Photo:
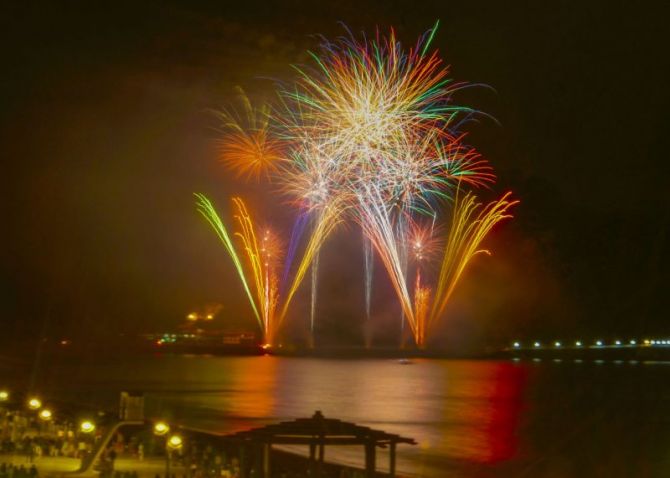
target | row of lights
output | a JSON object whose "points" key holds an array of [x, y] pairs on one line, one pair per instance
{"points": [[174, 442], [597, 343], [45, 414]]}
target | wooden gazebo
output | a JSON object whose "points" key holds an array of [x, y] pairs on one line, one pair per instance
{"points": [[316, 433]]}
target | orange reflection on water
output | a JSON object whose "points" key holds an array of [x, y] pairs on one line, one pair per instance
{"points": [[252, 387]]}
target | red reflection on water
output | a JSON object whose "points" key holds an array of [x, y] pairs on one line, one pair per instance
{"points": [[506, 404], [482, 413]]}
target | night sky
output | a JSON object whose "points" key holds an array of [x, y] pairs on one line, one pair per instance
{"points": [[107, 128]]}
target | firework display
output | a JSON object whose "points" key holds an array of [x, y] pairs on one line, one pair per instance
{"points": [[369, 135]]}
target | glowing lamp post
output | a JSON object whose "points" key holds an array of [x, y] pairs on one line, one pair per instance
{"points": [[161, 428], [172, 443], [175, 442], [4, 397], [45, 415], [34, 403], [87, 427]]}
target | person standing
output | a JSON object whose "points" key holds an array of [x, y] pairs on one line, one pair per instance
{"points": [[112, 457]]}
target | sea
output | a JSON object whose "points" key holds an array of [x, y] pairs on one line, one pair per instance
{"points": [[470, 418]]}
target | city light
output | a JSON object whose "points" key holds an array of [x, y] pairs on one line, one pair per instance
{"points": [[4, 395], [87, 426], [34, 403], [161, 428], [517, 345], [578, 344], [175, 442], [617, 342], [45, 414], [599, 343], [557, 344], [536, 344], [192, 316], [633, 342]]}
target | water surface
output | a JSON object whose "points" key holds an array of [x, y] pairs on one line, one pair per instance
{"points": [[470, 418]]}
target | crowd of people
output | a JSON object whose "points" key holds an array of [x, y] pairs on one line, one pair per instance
{"points": [[22, 433], [27, 439], [9, 470]]}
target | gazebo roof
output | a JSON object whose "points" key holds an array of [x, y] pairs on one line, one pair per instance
{"points": [[319, 429]]}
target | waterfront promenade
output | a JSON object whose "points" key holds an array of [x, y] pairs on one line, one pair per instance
{"points": [[67, 466]]}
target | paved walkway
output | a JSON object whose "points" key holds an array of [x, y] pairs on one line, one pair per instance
{"points": [[49, 466]]}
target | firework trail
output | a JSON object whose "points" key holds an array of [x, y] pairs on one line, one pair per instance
{"points": [[368, 253], [327, 220], [377, 223], [262, 251], [312, 309], [470, 224], [206, 208], [296, 234], [423, 244]]}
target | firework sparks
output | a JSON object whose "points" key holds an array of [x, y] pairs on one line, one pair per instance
{"points": [[371, 134], [247, 146]]}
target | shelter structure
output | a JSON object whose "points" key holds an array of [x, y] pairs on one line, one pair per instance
{"points": [[316, 433]]}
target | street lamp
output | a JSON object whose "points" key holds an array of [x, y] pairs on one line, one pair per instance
{"points": [[34, 403], [172, 443], [87, 426], [45, 414], [161, 428], [175, 442], [4, 395]]}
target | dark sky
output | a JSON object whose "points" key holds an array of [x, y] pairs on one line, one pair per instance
{"points": [[106, 130]]}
